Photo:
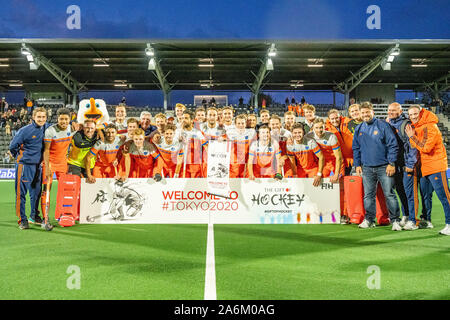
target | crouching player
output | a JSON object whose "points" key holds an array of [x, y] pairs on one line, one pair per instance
{"points": [[142, 160], [264, 157], [171, 151], [106, 156], [305, 155]]}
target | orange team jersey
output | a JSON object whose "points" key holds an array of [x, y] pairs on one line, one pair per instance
{"points": [[59, 144], [146, 162], [264, 161], [169, 154], [240, 145], [193, 141], [345, 138], [213, 133], [305, 155], [121, 127], [106, 153], [328, 144], [282, 138]]}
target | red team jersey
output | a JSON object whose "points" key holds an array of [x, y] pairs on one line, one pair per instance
{"points": [[145, 163]]}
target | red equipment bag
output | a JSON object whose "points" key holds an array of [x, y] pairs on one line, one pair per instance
{"points": [[68, 199], [354, 196]]}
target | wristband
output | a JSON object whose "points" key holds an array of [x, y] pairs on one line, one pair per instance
{"points": [[278, 176], [319, 174], [176, 175]]}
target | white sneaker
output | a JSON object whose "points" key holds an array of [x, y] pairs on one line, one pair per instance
{"points": [[410, 226], [366, 224], [404, 221], [396, 226], [425, 225], [446, 230]]}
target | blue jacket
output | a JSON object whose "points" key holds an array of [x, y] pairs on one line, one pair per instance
{"points": [[374, 144], [407, 156], [27, 145]]}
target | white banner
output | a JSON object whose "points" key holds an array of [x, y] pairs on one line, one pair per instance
{"points": [[263, 201], [218, 173]]}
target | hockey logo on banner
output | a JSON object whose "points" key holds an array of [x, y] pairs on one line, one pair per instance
{"points": [[218, 173]]}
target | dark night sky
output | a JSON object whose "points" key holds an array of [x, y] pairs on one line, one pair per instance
{"points": [[230, 19]]}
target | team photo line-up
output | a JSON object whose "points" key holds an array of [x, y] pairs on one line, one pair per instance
{"points": [[401, 153]]}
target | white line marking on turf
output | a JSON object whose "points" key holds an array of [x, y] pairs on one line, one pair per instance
{"points": [[210, 274]]}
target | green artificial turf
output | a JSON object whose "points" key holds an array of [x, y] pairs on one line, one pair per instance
{"points": [[273, 262]]}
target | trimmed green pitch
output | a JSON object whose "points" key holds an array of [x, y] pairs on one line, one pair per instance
{"points": [[273, 262]]}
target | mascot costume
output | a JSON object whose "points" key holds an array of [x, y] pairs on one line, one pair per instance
{"points": [[94, 109]]}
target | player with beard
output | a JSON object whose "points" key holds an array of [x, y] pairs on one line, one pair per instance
{"points": [[195, 145], [105, 154], [289, 120]]}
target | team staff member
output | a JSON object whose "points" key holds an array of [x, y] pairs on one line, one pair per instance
{"points": [[81, 144], [375, 151], [397, 120], [425, 136], [27, 147]]}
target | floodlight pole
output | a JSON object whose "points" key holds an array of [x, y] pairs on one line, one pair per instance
{"points": [[437, 86], [349, 84], [256, 87], [164, 84], [69, 82]]}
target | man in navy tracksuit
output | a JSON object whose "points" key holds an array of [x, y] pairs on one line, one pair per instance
{"points": [[396, 119], [375, 151], [27, 147]]}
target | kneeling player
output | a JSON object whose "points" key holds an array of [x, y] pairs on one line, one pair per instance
{"points": [[142, 159], [264, 156], [305, 155]]}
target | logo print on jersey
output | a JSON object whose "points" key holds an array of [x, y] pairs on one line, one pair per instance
{"points": [[145, 153], [306, 148], [68, 134], [375, 132]]}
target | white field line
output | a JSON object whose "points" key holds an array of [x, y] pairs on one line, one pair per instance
{"points": [[210, 273]]}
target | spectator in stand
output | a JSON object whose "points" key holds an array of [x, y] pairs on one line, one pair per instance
{"points": [[29, 106], [2, 120], [8, 129], [3, 105], [241, 102], [15, 127]]}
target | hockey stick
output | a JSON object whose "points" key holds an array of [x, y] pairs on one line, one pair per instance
{"points": [[45, 224]]}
